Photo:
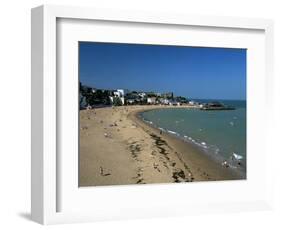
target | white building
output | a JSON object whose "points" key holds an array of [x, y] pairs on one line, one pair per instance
{"points": [[123, 92], [119, 93], [142, 94], [191, 102], [130, 101], [166, 101], [173, 103], [151, 100], [111, 98]]}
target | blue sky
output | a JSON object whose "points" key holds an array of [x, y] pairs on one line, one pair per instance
{"points": [[193, 72]]}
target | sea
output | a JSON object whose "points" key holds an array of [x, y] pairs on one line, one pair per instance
{"points": [[220, 134]]}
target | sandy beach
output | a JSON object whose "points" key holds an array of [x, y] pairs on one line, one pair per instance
{"points": [[118, 148]]}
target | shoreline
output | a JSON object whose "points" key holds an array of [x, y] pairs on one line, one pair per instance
{"points": [[118, 148], [218, 159], [191, 154]]}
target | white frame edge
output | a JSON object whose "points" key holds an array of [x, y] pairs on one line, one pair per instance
{"points": [[37, 115], [43, 86]]}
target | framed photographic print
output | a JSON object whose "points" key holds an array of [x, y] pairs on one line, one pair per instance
{"points": [[140, 114]]}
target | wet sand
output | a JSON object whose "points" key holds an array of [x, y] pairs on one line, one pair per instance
{"points": [[118, 148]]}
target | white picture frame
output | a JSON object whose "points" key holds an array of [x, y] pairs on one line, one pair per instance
{"points": [[46, 181]]}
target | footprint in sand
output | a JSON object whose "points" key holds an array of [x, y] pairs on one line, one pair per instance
{"points": [[156, 166], [102, 173], [173, 164]]}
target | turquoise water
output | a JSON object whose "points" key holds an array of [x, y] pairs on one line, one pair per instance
{"points": [[221, 134]]}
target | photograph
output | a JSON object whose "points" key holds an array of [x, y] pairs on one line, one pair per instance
{"points": [[153, 114]]}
